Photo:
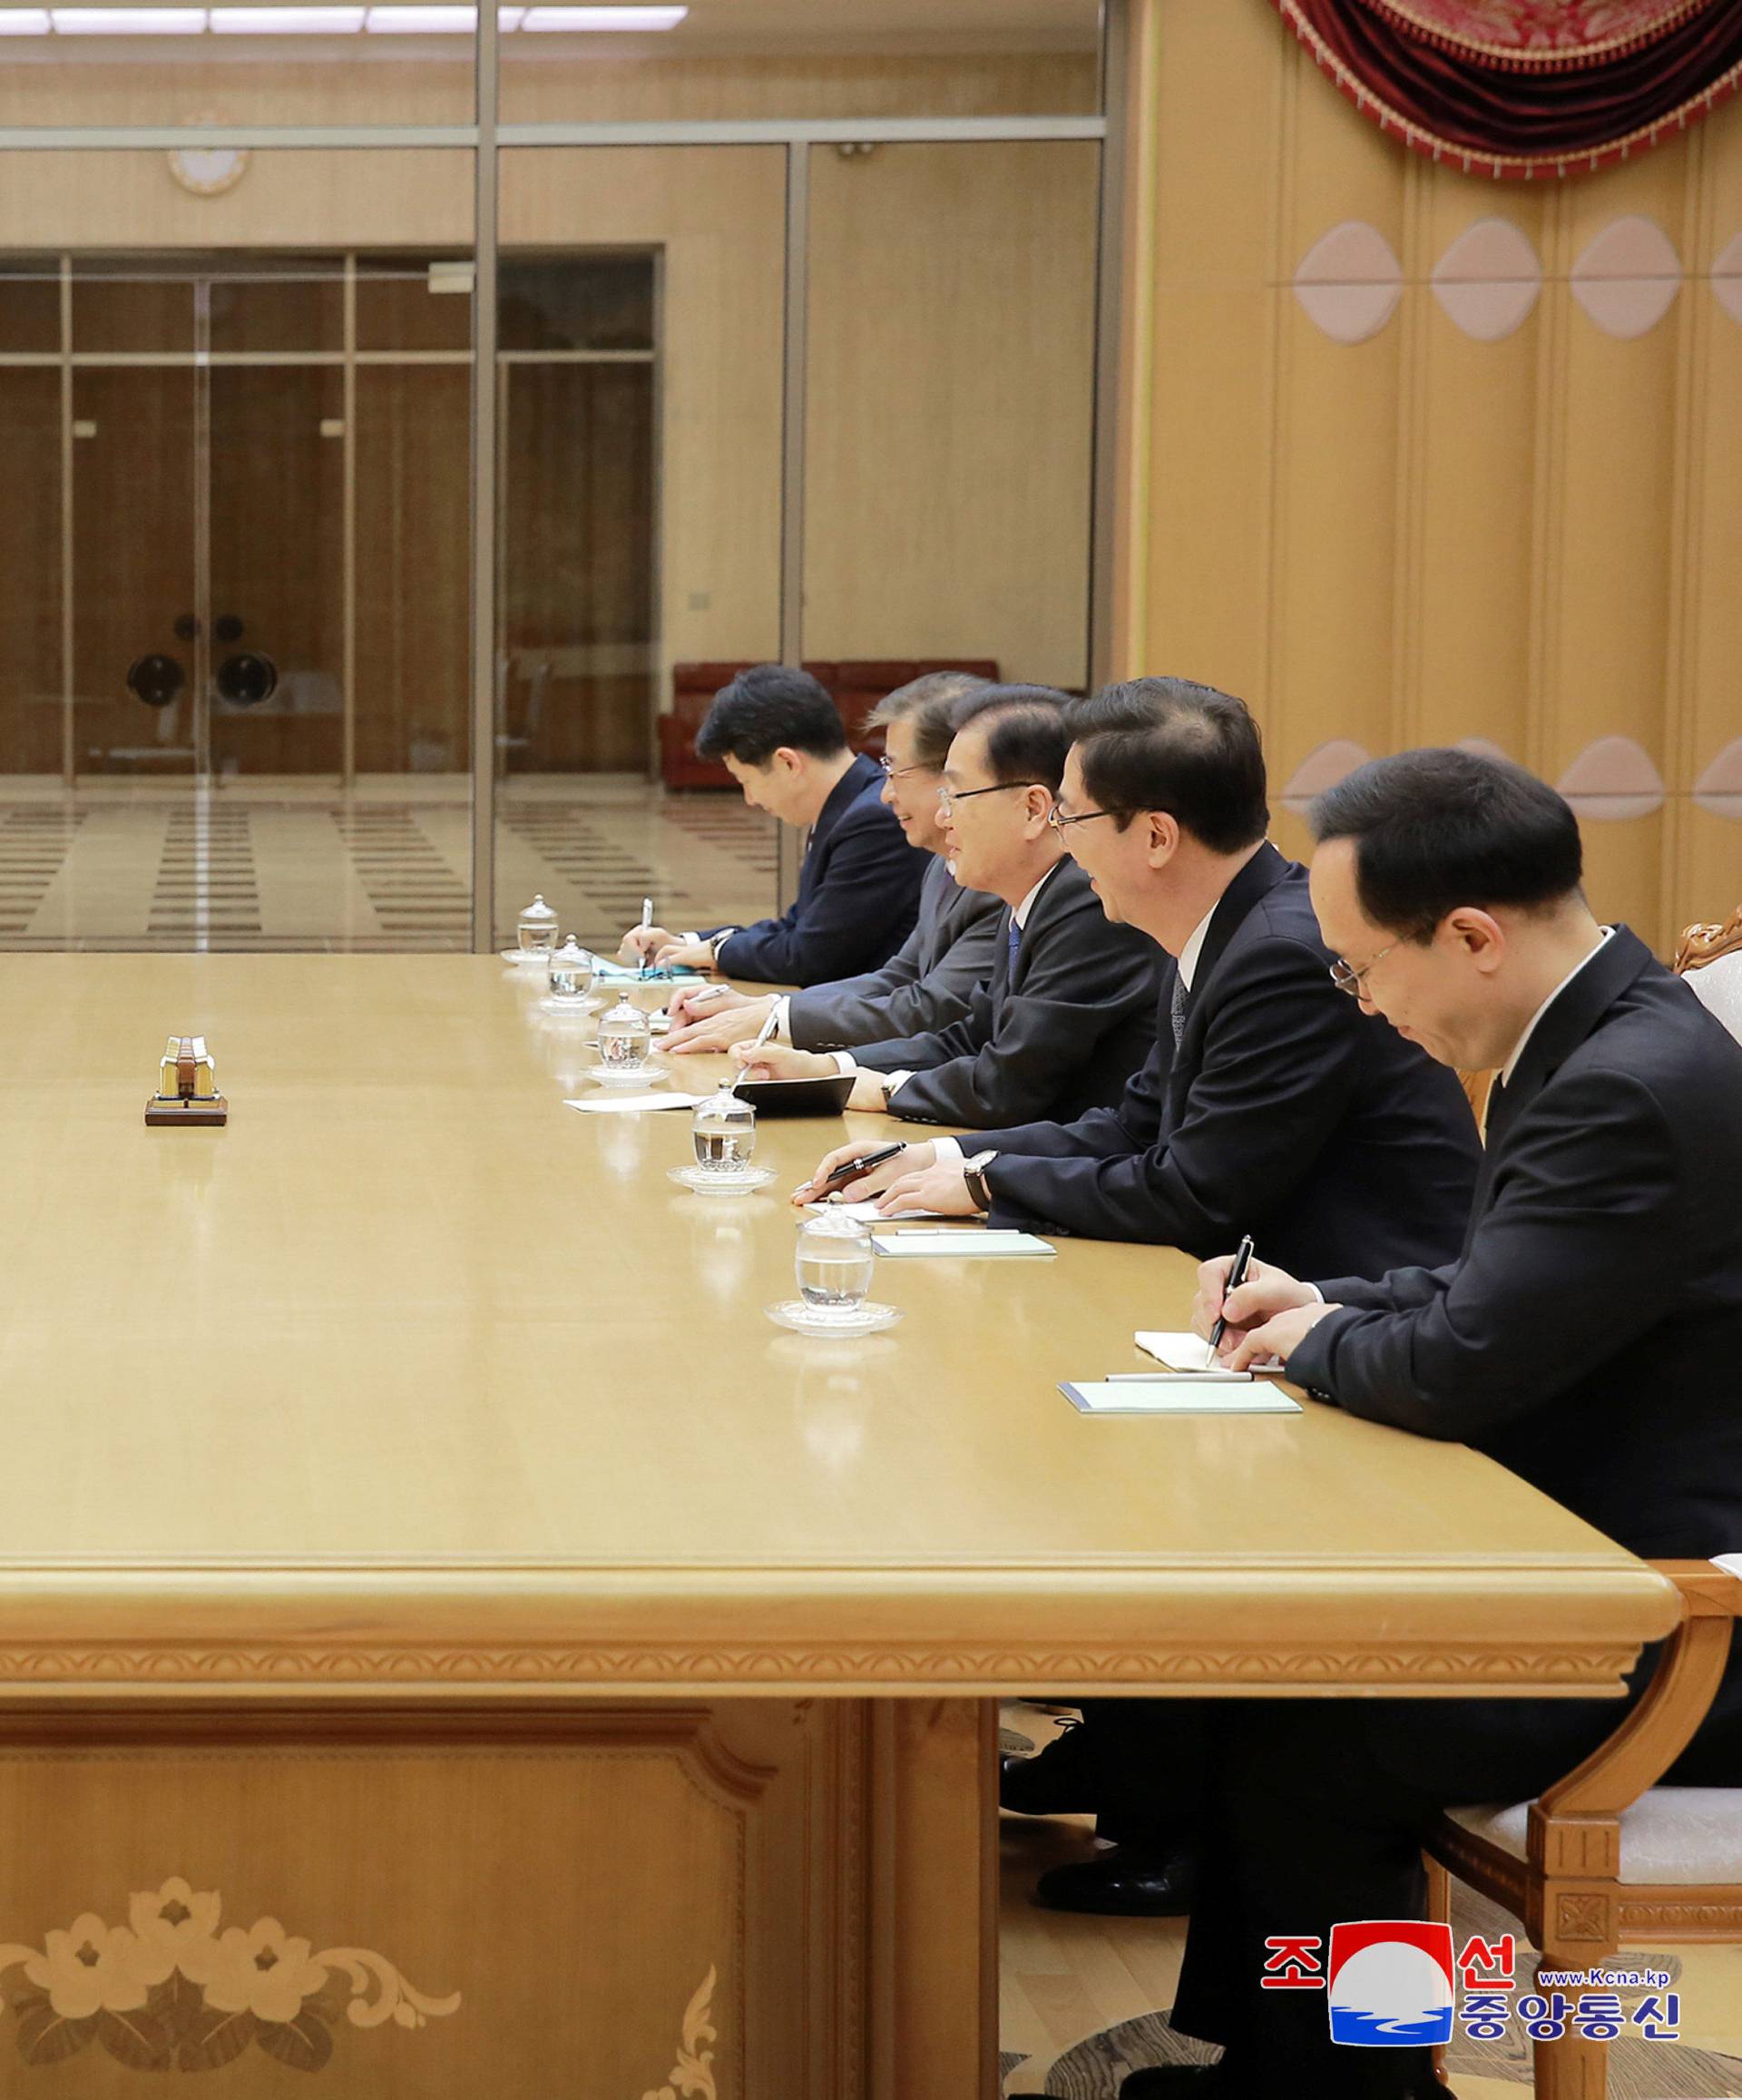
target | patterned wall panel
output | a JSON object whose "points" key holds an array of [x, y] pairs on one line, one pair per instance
{"points": [[1427, 458]]}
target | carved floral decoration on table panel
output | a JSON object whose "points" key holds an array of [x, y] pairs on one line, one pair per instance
{"points": [[691, 2077], [168, 1991]]}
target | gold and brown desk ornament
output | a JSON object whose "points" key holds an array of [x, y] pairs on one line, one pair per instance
{"points": [[187, 1085]]}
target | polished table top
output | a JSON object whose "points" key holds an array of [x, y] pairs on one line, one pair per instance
{"points": [[413, 1377]]}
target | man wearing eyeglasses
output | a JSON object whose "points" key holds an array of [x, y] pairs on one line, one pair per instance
{"points": [[1268, 1105], [929, 982], [1584, 1337], [1067, 1013]]}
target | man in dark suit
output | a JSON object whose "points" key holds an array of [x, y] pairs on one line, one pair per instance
{"points": [[1066, 1015], [928, 982], [781, 739], [1576, 1339], [1267, 1107]]}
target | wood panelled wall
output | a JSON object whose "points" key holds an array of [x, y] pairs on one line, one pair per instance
{"points": [[1396, 497], [359, 83]]}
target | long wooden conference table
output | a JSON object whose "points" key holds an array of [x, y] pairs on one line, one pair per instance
{"points": [[452, 1641]]}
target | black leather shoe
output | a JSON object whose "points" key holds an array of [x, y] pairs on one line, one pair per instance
{"points": [[1223, 2082], [1176, 2082], [1121, 1883], [1055, 1781]]}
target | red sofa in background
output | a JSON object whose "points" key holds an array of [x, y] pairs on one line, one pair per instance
{"points": [[856, 689]]}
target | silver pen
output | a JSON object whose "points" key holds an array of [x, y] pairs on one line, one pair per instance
{"points": [[647, 921]]}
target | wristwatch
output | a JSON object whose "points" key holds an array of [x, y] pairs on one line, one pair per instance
{"points": [[974, 1174], [717, 941]]}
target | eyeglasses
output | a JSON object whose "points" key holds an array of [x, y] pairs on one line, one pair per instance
{"points": [[1346, 978], [901, 772], [1056, 816], [948, 797]]}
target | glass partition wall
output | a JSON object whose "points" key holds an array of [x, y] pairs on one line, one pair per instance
{"points": [[397, 462]]}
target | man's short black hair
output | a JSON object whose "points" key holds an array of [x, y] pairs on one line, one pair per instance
{"points": [[1433, 830], [1023, 725], [928, 705], [765, 707], [1170, 744]]}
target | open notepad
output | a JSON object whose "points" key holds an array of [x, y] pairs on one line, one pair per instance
{"points": [[1181, 1396], [868, 1213], [917, 1240], [631, 1103]]}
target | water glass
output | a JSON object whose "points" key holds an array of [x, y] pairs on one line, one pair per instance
{"points": [[623, 1038], [570, 968], [834, 1265], [536, 928], [723, 1131]]}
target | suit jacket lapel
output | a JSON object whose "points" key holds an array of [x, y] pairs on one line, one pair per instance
{"points": [[1567, 1024], [1260, 875]]}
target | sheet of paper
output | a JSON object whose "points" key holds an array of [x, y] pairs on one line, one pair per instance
{"points": [[1182, 1397], [867, 1212], [1179, 1352], [632, 1104], [607, 973], [915, 1244]]}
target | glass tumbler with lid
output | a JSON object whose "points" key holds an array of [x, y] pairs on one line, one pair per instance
{"points": [[722, 1130], [625, 1038], [535, 930], [570, 973], [834, 1265]]}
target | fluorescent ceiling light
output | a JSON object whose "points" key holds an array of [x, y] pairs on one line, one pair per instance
{"points": [[615, 18], [24, 21], [423, 20], [286, 21], [128, 21]]}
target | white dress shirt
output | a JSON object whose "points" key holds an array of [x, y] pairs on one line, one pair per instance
{"points": [[845, 1062], [949, 1148]]}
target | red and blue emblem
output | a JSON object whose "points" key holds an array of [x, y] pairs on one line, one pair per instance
{"points": [[1391, 1983]]}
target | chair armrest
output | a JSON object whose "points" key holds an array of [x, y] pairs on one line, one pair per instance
{"points": [[1676, 1699]]}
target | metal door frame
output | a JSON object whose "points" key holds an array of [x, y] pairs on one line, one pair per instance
{"points": [[487, 138]]}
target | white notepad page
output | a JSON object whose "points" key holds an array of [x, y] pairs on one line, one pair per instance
{"points": [[1182, 1397], [1179, 1352], [632, 1104], [908, 1245]]}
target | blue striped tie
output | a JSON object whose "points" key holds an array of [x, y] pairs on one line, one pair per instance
{"points": [[1015, 942]]}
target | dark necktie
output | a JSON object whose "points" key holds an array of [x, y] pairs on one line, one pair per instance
{"points": [[1177, 1010], [1015, 943]]}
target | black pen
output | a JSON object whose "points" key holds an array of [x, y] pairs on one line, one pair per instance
{"points": [[852, 1169], [1236, 1277]]}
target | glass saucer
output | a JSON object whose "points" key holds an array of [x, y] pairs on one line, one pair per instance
{"points": [[575, 1008], [540, 956], [714, 1182], [804, 1318], [646, 1076]]}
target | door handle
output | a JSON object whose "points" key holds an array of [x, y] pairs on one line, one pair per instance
{"points": [[247, 679], [156, 680]]}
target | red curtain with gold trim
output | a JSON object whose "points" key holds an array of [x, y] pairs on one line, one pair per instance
{"points": [[1527, 89]]}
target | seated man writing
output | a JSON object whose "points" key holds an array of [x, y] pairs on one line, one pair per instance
{"points": [[781, 739], [1578, 1339], [929, 981], [1267, 1105], [1066, 1014]]}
